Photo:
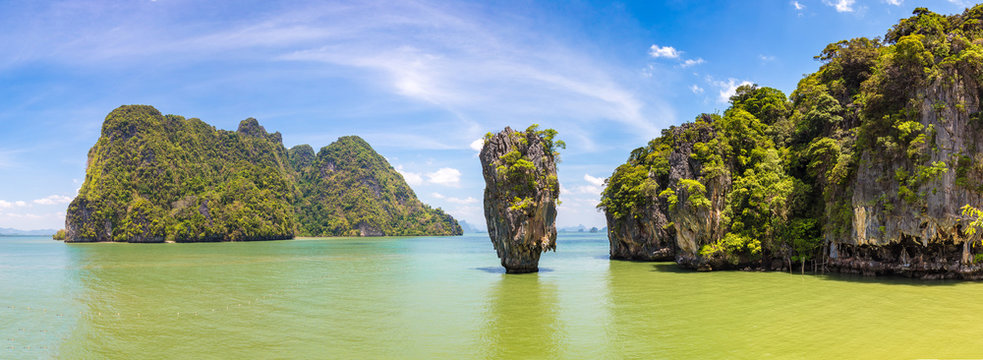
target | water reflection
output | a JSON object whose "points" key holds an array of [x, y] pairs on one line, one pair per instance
{"points": [[521, 319]]}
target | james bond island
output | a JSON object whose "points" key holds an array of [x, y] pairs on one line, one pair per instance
{"points": [[521, 191], [157, 178], [865, 168]]}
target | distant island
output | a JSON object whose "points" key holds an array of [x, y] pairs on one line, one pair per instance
{"points": [[163, 178], [869, 166], [18, 232]]}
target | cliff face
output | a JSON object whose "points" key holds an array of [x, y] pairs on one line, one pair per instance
{"points": [[647, 233], [156, 178], [521, 189], [906, 209], [864, 169]]}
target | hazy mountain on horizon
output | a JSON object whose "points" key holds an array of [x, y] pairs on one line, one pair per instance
{"points": [[469, 228], [41, 232]]}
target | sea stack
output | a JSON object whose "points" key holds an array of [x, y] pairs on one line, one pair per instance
{"points": [[521, 189]]}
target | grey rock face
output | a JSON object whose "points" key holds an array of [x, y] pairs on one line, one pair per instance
{"points": [[519, 201], [661, 232], [921, 235]]}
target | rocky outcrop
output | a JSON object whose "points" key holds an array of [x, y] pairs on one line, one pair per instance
{"points": [[163, 178], [521, 189], [906, 209], [668, 227], [864, 169]]}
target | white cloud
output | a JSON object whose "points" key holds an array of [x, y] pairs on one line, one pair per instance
{"points": [[453, 57], [766, 58], [412, 178], [12, 204], [691, 62], [696, 89], [465, 201], [841, 5], [477, 144], [474, 70], [587, 189], [445, 176], [894, 2], [31, 221], [456, 200], [798, 5], [594, 180], [657, 51], [53, 200], [727, 88]]}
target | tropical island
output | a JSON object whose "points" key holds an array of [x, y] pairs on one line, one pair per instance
{"points": [[869, 166], [521, 193], [163, 178]]}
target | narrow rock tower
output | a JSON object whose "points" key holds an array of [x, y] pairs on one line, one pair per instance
{"points": [[520, 195]]}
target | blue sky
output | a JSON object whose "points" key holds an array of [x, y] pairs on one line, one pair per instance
{"points": [[419, 80]]}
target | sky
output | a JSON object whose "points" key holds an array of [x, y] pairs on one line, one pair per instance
{"points": [[421, 81]]}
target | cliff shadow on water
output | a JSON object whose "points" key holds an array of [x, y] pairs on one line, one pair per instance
{"points": [[892, 279]]}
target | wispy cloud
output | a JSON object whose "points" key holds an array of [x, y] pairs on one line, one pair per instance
{"points": [[477, 144], [696, 89], [412, 178], [894, 2], [32, 221], [690, 62], [455, 200], [727, 88], [657, 51], [445, 176], [53, 200], [451, 56], [12, 204], [798, 6], [841, 5], [596, 181]]}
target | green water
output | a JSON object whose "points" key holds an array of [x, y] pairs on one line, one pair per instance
{"points": [[447, 298]]}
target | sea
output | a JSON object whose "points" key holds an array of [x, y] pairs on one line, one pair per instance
{"points": [[449, 298]]}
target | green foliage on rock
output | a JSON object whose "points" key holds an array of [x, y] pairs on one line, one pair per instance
{"points": [[790, 165], [348, 189], [155, 178], [521, 176]]}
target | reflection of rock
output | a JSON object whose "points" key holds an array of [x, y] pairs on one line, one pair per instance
{"points": [[517, 326], [520, 198]]}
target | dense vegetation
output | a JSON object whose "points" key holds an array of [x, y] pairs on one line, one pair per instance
{"points": [[791, 164], [154, 178], [523, 180], [336, 184]]}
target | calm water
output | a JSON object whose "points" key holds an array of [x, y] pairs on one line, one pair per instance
{"points": [[448, 298]]}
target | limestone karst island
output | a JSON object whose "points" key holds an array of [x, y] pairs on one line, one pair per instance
{"points": [[156, 178], [658, 179]]}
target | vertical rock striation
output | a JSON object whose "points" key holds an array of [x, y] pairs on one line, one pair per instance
{"points": [[864, 169], [661, 225], [521, 189]]}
